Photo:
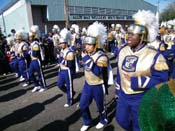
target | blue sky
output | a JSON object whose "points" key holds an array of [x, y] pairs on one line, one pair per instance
{"points": [[3, 3], [163, 3]]}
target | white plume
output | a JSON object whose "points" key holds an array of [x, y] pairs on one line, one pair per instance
{"points": [[19, 32], [34, 28], [76, 28], [113, 25], [10, 41], [56, 28], [171, 22], [98, 30], [25, 35], [84, 30], [118, 25], [22, 34], [66, 34], [163, 24], [149, 20]]}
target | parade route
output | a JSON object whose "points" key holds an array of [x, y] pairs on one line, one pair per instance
{"points": [[22, 110]]}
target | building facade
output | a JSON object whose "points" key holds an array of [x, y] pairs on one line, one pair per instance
{"points": [[21, 14]]}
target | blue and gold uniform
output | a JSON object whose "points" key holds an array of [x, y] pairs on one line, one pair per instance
{"points": [[22, 62], [94, 66], [139, 69], [35, 66], [14, 60], [169, 53], [66, 62], [146, 68], [111, 43]]}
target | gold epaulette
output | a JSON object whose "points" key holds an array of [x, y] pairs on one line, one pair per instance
{"points": [[24, 48], [161, 66], [35, 47], [102, 61], [70, 56], [162, 48]]}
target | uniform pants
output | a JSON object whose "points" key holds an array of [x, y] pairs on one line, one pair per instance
{"points": [[89, 93], [127, 112], [112, 47], [14, 65], [65, 83], [35, 66], [22, 65]]}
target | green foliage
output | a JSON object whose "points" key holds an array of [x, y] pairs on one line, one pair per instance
{"points": [[168, 13]]}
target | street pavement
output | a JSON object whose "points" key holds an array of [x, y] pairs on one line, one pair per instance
{"points": [[22, 110]]}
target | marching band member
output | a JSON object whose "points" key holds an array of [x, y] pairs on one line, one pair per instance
{"points": [[14, 60], [120, 36], [139, 69], [95, 68], [111, 43], [169, 52], [22, 54], [35, 65], [56, 37], [66, 64], [169, 36]]}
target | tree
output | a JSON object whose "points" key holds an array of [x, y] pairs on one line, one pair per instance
{"points": [[168, 13]]}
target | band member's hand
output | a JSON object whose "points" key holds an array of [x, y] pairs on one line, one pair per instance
{"points": [[58, 55], [83, 53], [57, 66], [127, 77]]}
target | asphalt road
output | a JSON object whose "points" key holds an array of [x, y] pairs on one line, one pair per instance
{"points": [[22, 110]]}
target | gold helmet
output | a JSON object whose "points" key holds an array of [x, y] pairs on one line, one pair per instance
{"points": [[89, 40], [169, 26], [118, 27], [18, 35], [55, 29], [96, 34], [146, 24], [65, 36], [21, 35]]}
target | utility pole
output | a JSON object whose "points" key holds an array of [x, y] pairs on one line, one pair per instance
{"points": [[66, 9], [158, 2], [158, 12]]}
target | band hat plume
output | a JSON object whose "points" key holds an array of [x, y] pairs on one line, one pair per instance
{"points": [[75, 28], [96, 34], [170, 24], [65, 36], [18, 35], [55, 29], [35, 31], [118, 27], [21, 35], [84, 29], [113, 26], [146, 23]]}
